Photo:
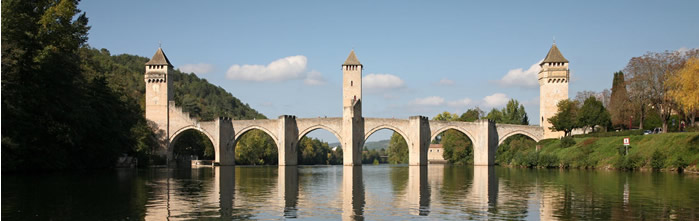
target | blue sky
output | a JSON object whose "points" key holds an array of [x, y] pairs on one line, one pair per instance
{"points": [[420, 57]]}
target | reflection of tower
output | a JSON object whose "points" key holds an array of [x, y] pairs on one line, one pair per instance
{"points": [[553, 87], [288, 189], [159, 94], [352, 193], [352, 121], [225, 186], [418, 189]]}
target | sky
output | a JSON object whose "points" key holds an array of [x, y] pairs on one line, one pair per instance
{"points": [[419, 57]]}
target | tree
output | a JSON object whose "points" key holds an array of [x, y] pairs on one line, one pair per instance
{"points": [[567, 117], [472, 115], [255, 147], [446, 116], [397, 149], [592, 114], [683, 88], [514, 113], [619, 104], [458, 148], [495, 115], [581, 96], [648, 74]]}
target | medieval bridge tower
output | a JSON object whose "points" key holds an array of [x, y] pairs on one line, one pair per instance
{"points": [[553, 87]]}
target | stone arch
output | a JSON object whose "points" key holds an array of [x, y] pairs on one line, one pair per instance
{"points": [[240, 133], [386, 126], [316, 127], [502, 139], [177, 133], [463, 131]]}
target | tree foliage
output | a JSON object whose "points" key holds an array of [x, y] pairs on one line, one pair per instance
{"points": [[566, 119], [683, 87], [255, 147], [397, 149], [592, 114], [619, 105], [312, 151]]}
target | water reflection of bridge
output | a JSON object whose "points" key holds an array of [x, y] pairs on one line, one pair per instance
{"points": [[480, 196]]}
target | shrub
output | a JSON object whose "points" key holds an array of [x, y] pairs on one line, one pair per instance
{"points": [[680, 163], [657, 160], [548, 160], [611, 134], [567, 142], [630, 162]]}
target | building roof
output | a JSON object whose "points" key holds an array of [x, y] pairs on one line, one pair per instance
{"points": [[159, 58], [554, 55], [352, 59]]}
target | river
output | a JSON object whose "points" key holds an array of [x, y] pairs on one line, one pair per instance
{"points": [[372, 192]]}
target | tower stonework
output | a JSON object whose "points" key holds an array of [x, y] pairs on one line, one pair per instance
{"points": [[553, 87], [158, 96], [352, 120]]}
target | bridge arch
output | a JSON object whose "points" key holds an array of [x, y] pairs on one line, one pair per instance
{"points": [[462, 130], [176, 135], [502, 138], [386, 126], [310, 129], [240, 133]]}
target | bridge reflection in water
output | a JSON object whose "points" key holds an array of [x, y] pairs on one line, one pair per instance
{"points": [[227, 197]]}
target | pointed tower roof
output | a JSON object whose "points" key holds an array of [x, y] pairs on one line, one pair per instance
{"points": [[352, 59], [159, 58], [554, 55]]}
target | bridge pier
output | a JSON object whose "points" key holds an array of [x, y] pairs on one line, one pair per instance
{"points": [[224, 147], [486, 143], [419, 138], [288, 138]]}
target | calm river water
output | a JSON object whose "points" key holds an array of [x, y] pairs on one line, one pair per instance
{"points": [[383, 192]]}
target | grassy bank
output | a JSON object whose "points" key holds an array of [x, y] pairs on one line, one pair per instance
{"points": [[668, 151]]}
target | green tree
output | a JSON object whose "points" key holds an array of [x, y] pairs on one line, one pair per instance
{"points": [[458, 148], [255, 147], [619, 104], [567, 117], [593, 113], [514, 113], [495, 115], [446, 116], [472, 115], [397, 149]]}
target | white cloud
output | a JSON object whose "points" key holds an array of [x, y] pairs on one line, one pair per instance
{"points": [[683, 50], [280, 70], [521, 78], [428, 101], [382, 81], [314, 78], [459, 103], [200, 68], [445, 81], [495, 100]]}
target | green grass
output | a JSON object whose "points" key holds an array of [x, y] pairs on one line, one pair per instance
{"points": [[603, 152]]}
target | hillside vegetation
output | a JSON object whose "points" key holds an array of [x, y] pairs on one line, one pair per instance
{"points": [[667, 151]]}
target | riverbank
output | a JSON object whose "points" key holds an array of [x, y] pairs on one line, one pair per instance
{"points": [[667, 151]]}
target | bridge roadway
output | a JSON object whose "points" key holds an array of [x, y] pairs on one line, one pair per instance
{"points": [[287, 130]]}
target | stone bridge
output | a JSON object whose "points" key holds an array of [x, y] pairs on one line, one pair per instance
{"points": [[352, 129]]}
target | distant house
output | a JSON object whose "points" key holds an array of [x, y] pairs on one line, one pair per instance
{"points": [[434, 154]]}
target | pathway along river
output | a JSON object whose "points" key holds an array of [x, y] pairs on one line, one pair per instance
{"points": [[384, 192]]}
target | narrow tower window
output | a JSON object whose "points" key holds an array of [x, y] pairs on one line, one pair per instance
{"points": [[351, 83]]}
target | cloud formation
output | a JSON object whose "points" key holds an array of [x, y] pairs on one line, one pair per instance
{"points": [[382, 81], [445, 82], [459, 103], [200, 68], [495, 100], [428, 101], [279, 70], [521, 78], [314, 78]]}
